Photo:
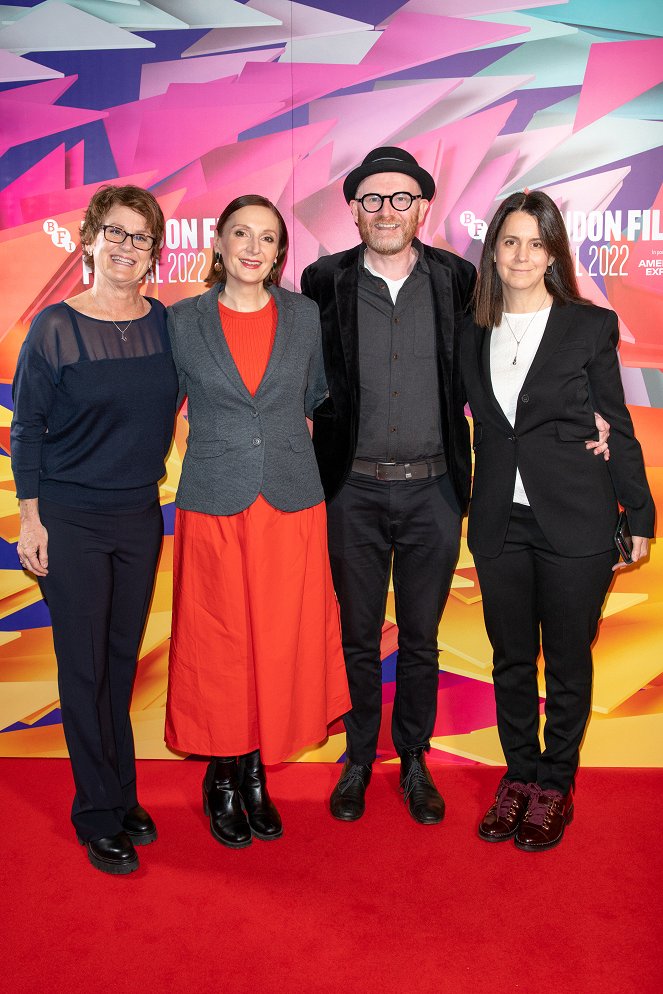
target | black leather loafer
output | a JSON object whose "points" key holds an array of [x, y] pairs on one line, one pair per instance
{"points": [[114, 854], [139, 826]]}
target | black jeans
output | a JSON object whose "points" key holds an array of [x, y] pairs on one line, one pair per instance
{"points": [[418, 523], [98, 589], [532, 599]]}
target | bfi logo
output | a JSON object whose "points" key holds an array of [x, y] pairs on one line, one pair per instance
{"points": [[59, 236], [476, 227]]}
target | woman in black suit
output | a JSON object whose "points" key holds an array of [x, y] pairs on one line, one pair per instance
{"points": [[538, 360]]}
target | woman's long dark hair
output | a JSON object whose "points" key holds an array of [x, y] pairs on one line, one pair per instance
{"points": [[217, 270], [561, 283]]}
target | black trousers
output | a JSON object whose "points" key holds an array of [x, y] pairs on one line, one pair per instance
{"points": [[535, 599], [417, 522], [98, 588]]}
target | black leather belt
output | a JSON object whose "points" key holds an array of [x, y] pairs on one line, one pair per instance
{"points": [[401, 470]]}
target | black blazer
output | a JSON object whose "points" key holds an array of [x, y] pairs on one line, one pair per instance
{"points": [[572, 492], [332, 282]]}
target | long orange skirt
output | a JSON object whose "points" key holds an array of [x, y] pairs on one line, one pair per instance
{"points": [[255, 658]]}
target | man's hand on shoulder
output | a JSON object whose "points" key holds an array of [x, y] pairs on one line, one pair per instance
{"points": [[600, 448]]}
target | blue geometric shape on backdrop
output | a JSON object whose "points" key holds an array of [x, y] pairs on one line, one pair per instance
{"points": [[34, 616], [8, 555], [389, 668], [53, 717]]}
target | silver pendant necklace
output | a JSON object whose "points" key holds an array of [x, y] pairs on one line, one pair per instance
{"points": [[123, 331], [515, 337]]}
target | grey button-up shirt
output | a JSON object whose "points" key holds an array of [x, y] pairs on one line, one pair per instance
{"points": [[399, 418]]}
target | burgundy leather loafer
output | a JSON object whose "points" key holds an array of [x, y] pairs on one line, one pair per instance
{"points": [[548, 814], [503, 817]]}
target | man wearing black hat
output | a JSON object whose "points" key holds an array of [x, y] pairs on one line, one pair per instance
{"points": [[392, 444]]}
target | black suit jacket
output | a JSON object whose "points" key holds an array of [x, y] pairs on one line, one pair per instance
{"points": [[573, 493], [332, 282]]}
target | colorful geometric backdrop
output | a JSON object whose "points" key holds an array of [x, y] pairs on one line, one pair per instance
{"points": [[203, 100]]}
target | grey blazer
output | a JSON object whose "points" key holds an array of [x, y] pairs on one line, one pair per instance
{"points": [[240, 446]]}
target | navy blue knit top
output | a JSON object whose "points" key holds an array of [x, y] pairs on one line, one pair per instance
{"points": [[94, 409]]}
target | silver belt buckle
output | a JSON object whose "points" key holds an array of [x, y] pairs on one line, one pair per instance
{"points": [[377, 469], [408, 471]]}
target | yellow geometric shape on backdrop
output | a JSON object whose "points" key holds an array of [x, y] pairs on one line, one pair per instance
{"points": [[19, 700], [28, 655], [148, 729], [459, 582], [47, 740], [450, 662], [5, 462], [17, 590], [9, 519], [157, 631], [627, 656], [630, 742], [481, 746], [617, 602], [609, 741], [150, 688], [328, 752]]}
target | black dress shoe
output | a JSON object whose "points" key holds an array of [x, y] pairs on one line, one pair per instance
{"points": [[505, 814], [222, 803], [420, 794], [114, 854], [264, 820], [347, 801], [139, 826]]}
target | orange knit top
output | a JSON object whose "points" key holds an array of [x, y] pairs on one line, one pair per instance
{"points": [[250, 338]]}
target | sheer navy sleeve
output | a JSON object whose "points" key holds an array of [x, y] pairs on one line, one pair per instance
{"points": [[33, 391]]}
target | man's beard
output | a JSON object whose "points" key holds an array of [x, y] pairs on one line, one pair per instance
{"points": [[389, 241]]}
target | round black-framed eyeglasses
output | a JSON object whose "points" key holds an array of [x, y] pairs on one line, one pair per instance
{"points": [[401, 201], [114, 233]]}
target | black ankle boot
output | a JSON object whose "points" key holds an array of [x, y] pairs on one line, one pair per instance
{"points": [[264, 819], [221, 802]]}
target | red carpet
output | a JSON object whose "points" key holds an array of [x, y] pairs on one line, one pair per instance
{"points": [[383, 906]]}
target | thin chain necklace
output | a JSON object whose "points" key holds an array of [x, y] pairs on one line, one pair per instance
{"points": [[529, 323], [123, 331]]}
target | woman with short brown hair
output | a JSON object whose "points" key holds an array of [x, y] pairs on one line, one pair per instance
{"points": [[94, 406]]}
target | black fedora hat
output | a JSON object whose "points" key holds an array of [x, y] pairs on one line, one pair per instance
{"points": [[389, 159]]}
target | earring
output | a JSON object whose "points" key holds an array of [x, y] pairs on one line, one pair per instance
{"points": [[218, 265], [549, 270]]}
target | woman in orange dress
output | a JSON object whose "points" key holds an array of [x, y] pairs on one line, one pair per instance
{"points": [[256, 666]]}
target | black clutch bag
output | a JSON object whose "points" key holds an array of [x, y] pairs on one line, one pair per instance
{"points": [[623, 538]]}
